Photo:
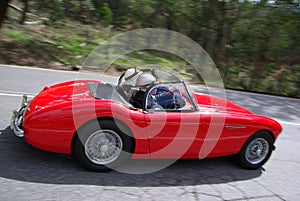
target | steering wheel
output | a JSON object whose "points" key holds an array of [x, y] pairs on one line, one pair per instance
{"points": [[165, 98], [178, 100]]}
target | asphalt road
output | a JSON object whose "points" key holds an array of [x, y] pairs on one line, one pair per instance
{"points": [[30, 174]]}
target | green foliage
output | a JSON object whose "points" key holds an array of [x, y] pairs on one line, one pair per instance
{"points": [[65, 42], [20, 36], [105, 14]]}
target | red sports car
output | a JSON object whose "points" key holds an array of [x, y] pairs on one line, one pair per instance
{"points": [[101, 126]]}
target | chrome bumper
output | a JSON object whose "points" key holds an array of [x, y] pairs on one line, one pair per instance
{"points": [[17, 118]]}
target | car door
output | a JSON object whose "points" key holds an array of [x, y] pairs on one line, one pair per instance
{"points": [[172, 134], [172, 131]]}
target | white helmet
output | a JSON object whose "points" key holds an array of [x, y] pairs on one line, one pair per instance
{"points": [[145, 80]]}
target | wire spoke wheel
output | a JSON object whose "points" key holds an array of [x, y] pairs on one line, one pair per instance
{"points": [[103, 147], [257, 150]]}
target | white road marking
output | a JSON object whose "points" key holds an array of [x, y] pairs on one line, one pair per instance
{"points": [[84, 72], [16, 94], [288, 123], [36, 68]]}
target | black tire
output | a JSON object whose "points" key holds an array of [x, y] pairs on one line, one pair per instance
{"points": [[256, 150], [99, 136]]}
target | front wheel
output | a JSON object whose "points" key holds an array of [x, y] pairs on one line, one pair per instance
{"points": [[102, 146], [256, 150]]}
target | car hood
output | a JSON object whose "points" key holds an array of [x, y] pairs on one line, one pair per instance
{"points": [[206, 102], [61, 93]]}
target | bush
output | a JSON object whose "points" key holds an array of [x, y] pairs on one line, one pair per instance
{"points": [[105, 14]]}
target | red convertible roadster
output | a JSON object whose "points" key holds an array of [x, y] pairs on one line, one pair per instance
{"points": [[101, 125]]}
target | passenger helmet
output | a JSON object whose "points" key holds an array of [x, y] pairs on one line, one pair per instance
{"points": [[130, 73]]}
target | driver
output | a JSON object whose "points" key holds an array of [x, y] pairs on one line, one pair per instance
{"points": [[159, 98], [143, 82]]}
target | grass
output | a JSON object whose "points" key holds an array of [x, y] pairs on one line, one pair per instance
{"points": [[67, 43], [71, 45]]}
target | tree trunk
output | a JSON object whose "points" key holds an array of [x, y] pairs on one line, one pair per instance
{"points": [[234, 17], [25, 10], [261, 59], [218, 43], [207, 15], [3, 9]]}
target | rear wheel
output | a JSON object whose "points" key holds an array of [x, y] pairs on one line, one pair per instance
{"points": [[103, 145], [256, 150]]}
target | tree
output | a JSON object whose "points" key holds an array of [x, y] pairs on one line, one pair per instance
{"points": [[105, 14], [25, 10], [3, 10]]}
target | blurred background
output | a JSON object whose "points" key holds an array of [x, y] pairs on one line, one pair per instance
{"points": [[254, 44]]}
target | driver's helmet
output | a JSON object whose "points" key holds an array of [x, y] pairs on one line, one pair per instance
{"points": [[145, 80]]}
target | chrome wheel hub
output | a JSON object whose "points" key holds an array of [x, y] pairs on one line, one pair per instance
{"points": [[103, 147], [257, 151]]}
